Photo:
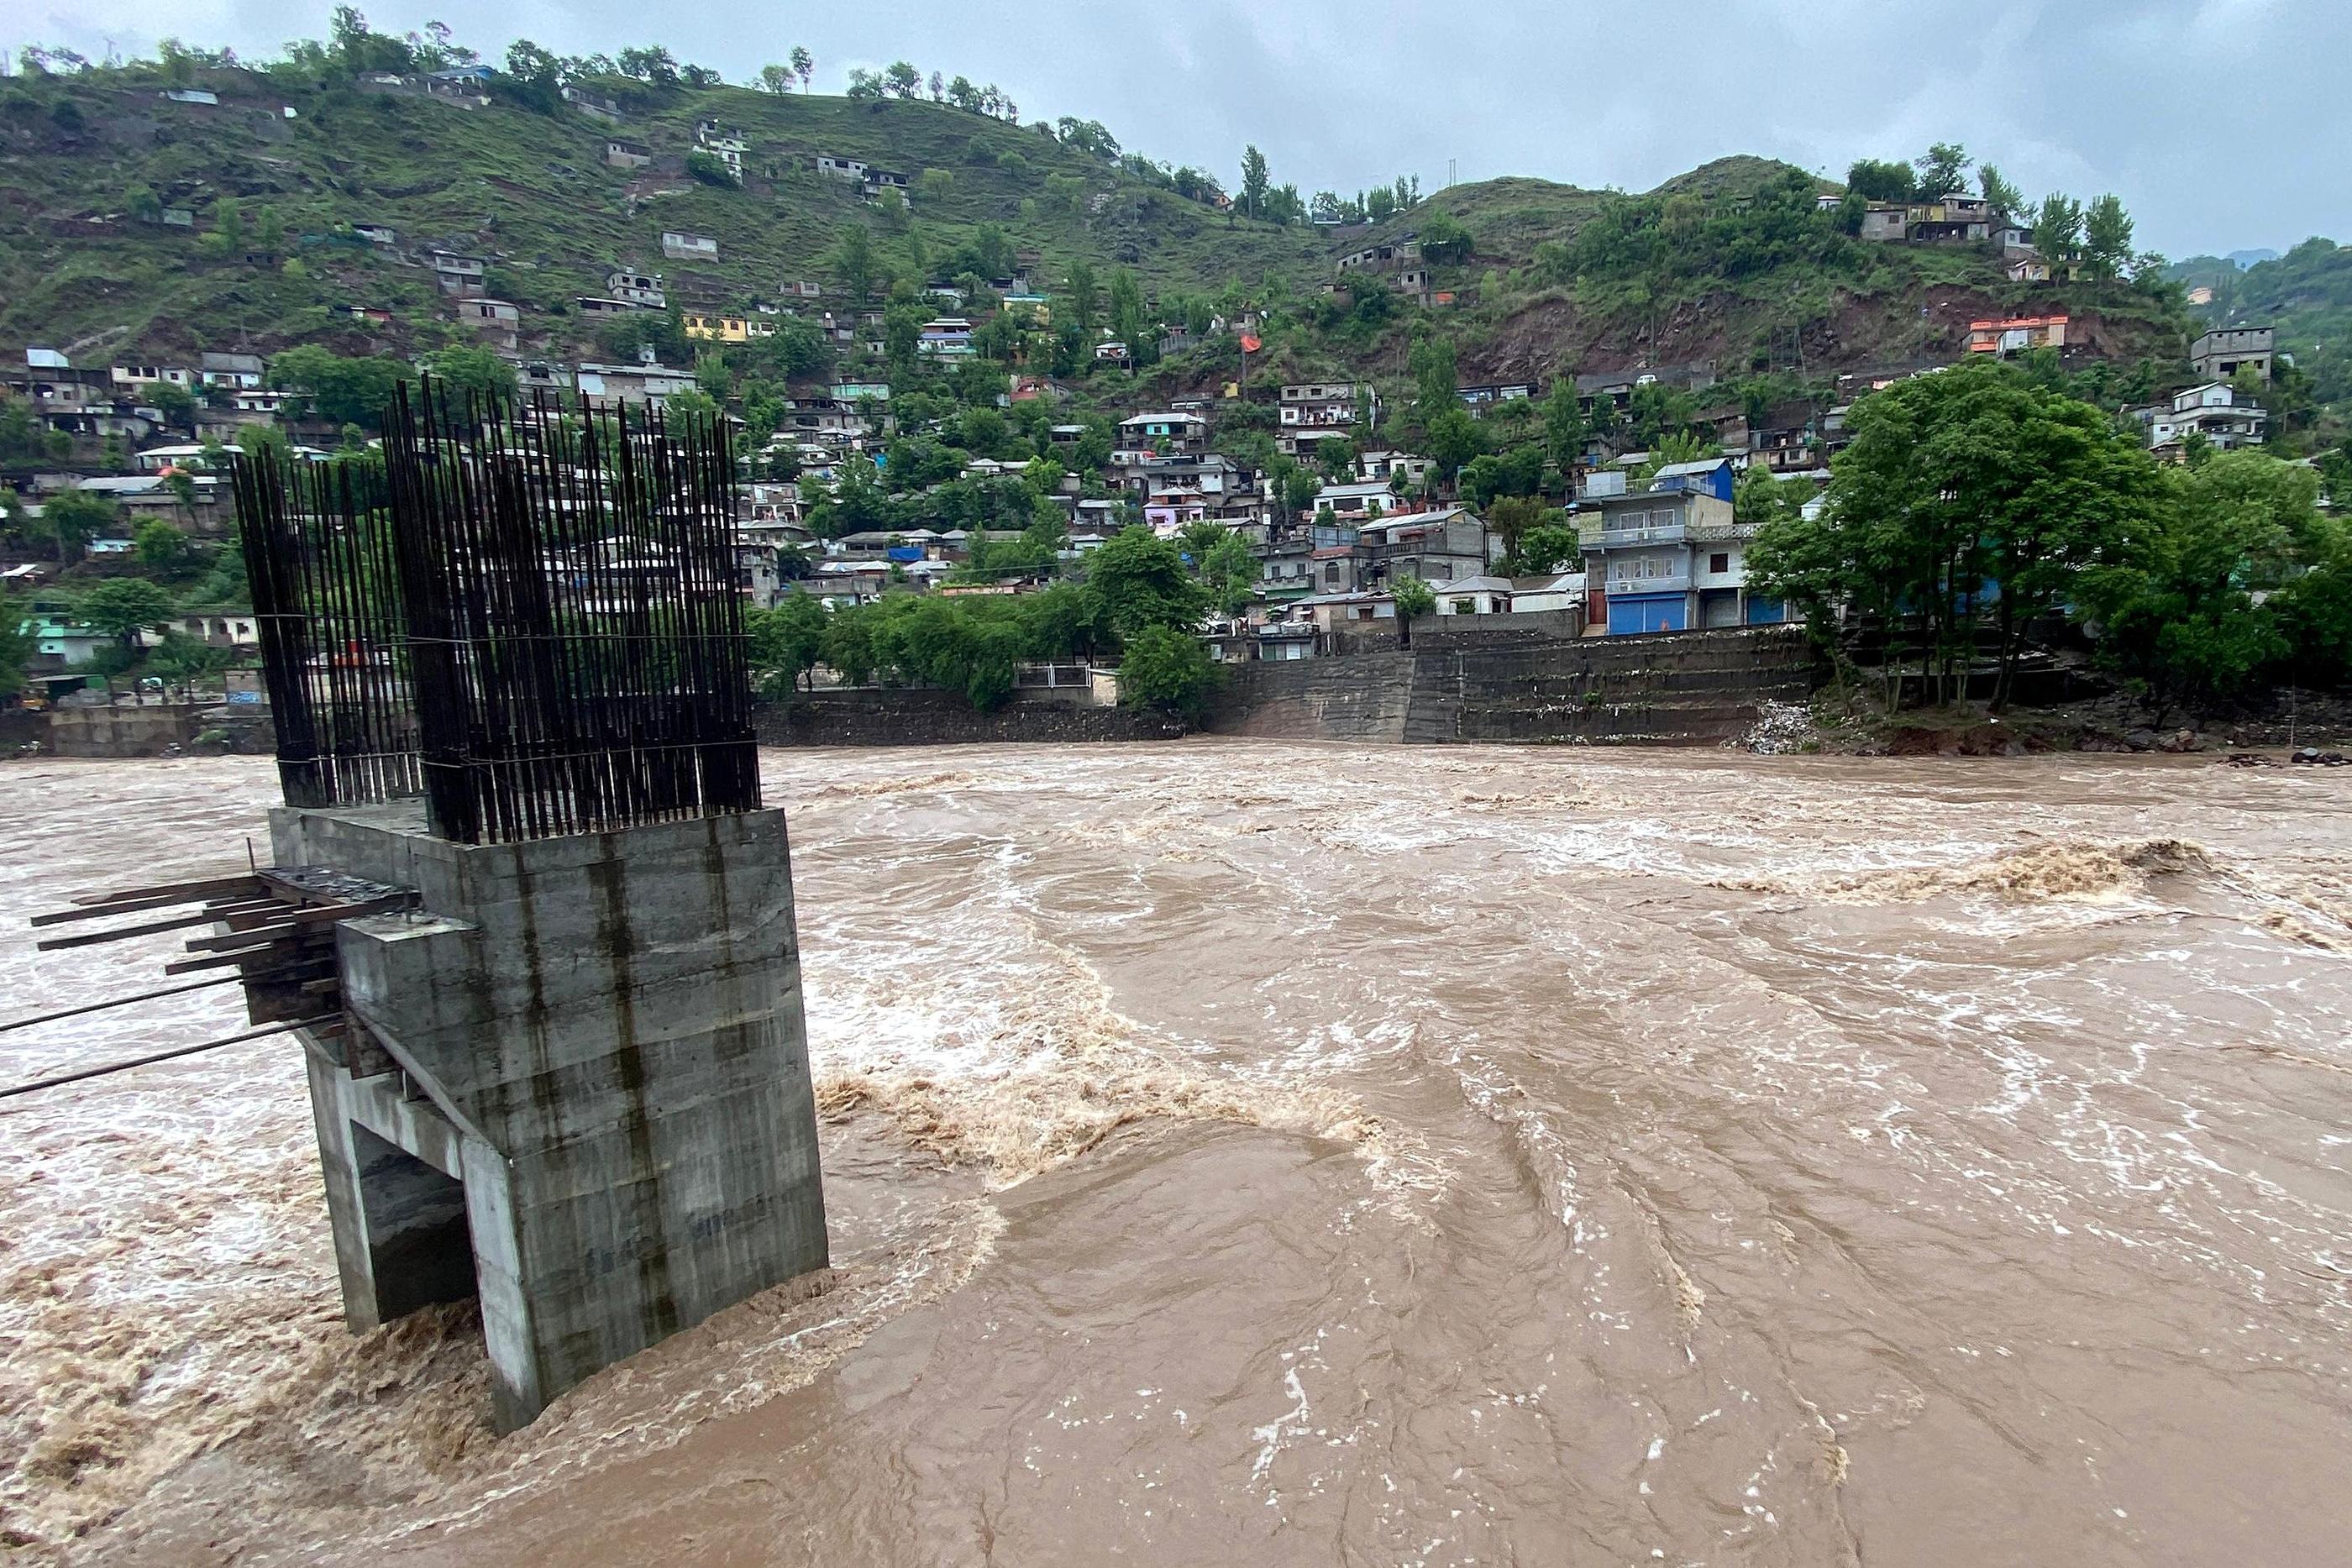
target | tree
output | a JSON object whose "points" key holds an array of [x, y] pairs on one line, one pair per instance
{"points": [[1230, 570], [1138, 581], [73, 517], [344, 391], [2000, 196], [902, 80], [1255, 178], [1430, 363], [711, 169], [1379, 204], [16, 645], [854, 261], [1084, 298], [788, 639], [803, 64], [123, 607], [1565, 430], [466, 369], [2193, 609], [1971, 492], [161, 546], [2058, 228], [1454, 438], [1444, 241], [1546, 549], [2107, 237], [1414, 597], [1166, 669], [1875, 180], [1943, 170]]}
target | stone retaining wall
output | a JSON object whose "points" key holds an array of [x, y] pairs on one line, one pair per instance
{"points": [[918, 717]]}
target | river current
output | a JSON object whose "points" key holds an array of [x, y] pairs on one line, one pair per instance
{"points": [[1272, 1153]]}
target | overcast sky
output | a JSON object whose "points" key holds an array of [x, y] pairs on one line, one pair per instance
{"points": [[2223, 124]]}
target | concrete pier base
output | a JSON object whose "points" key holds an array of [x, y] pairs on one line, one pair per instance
{"points": [[575, 1085]]}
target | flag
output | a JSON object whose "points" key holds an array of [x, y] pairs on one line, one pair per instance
{"points": [[1249, 344]]}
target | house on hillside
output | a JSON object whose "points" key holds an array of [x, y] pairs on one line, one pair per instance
{"points": [[679, 245], [641, 290], [850, 168], [2218, 355], [1480, 396], [2213, 411], [1164, 433], [589, 101], [1606, 393], [1708, 475], [649, 384], [1381, 255], [946, 338], [151, 375], [728, 329], [623, 154], [2016, 334], [727, 146], [2028, 269], [377, 234], [1438, 547], [880, 180], [457, 274], [496, 320]]}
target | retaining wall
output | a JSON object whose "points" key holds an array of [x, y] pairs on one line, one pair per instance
{"points": [[1672, 689], [918, 717]]}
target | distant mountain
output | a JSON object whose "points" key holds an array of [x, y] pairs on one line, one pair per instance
{"points": [[2246, 259]]}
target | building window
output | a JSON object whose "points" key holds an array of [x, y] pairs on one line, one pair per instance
{"points": [[1719, 562], [1332, 571]]}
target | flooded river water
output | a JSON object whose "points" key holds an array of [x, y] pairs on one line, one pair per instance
{"points": [[1263, 1154]]}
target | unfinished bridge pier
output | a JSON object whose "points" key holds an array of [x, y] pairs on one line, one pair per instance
{"points": [[574, 1081]]}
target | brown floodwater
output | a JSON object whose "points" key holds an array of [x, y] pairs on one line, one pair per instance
{"points": [[1318, 1154]]}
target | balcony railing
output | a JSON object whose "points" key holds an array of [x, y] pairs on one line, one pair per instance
{"points": [[1677, 582], [1655, 534]]}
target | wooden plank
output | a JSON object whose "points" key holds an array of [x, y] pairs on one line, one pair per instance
{"points": [[173, 892], [283, 950], [122, 933], [128, 906]]}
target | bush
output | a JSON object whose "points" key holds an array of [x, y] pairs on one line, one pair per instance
{"points": [[1168, 670], [711, 169]]}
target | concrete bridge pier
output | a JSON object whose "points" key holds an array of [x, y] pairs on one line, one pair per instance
{"points": [[574, 1082]]}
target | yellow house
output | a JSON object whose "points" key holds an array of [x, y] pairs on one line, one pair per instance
{"points": [[729, 328]]}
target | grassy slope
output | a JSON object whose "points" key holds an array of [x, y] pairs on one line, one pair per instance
{"points": [[533, 193]]}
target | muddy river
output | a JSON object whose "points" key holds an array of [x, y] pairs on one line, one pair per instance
{"points": [[1259, 1154]]}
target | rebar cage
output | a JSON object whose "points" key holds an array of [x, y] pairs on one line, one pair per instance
{"points": [[525, 612]]}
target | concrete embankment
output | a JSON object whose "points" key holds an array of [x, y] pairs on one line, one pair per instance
{"points": [[919, 716], [1676, 689]]}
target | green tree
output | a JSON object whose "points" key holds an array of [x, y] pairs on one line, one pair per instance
{"points": [[122, 607], [803, 64], [73, 517], [1256, 179], [1138, 581], [1454, 438], [340, 389], [2058, 228], [1875, 180], [1446, 242], [1966, 495], [16, 645], [2107, 237], [2193, 610], [787, 641], [1084, 299], [1430, 363], [466, 369], [1414, 598], [711, 169], [1229, 571], [2000, 196], [1944, 170], [1166, 669], [1544, 550], [854, 261], [1565, 430], [161, 548]]}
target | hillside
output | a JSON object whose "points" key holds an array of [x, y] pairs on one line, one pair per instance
{"points": [[1557, 278]]}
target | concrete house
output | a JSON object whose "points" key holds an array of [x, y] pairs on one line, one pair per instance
{"points": [[641, 290], [1438, 547], [623, 154], [850, 168], [680, 246], [2214, 412], [457, 274], [1669, 561], [2220, 354], [1163, 432], [2016, 334]]}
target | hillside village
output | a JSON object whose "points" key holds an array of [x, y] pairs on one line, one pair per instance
{"points": [[962, 357]]}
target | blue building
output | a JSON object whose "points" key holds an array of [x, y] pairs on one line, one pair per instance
{"points": [[1672, 558]]}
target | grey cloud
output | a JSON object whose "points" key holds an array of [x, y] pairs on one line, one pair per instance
{"points": [[2221, 122]]}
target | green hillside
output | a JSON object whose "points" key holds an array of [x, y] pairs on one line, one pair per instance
{"points": [[1728, 263]]}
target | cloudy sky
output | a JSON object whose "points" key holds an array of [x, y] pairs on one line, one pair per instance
{"points": [[2223, 123]]}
